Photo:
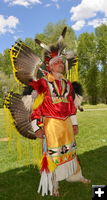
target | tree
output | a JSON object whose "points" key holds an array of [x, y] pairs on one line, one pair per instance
{"points": [[30, 43], [6, 63], [101, 38], [7, 84], [1, 62], [88, 65]]}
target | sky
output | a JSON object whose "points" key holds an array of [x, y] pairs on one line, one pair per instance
{"points": [[25, 18]]}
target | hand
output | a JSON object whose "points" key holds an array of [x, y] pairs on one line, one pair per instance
{"points": [[40, 133], [75, 129]]}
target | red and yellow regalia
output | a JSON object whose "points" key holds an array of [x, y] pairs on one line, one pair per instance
{"points": [[50, 105], [56, 115]]}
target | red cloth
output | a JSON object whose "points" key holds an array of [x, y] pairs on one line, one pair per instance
{"points": [[59, 110], [39, 86]]}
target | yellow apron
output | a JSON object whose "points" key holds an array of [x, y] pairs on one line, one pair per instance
{"points": [[60, 140]]}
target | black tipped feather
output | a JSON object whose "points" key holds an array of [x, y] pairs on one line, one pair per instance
{"points": [[27, 90], [38, 41], [64, 31], [41, 44], [61, 38]]}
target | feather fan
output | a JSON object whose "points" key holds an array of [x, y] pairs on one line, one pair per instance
{"points": [[24, 61], [20, 114]]}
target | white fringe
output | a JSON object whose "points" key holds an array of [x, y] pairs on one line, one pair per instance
{"points": [[65, 170], [46, 183], [28, 100]]}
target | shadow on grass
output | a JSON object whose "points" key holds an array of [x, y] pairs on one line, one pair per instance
{"points": [[22, 183]]}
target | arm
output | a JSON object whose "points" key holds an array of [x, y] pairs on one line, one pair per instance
{"points": [[37, 122], [39, 132], [74, 124], [36, 116], [74, 110]]}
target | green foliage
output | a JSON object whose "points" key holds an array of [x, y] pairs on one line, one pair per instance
{"points": [[88, 65], [92, 87], [92, 51], [101, 38], [6, 63], [7, 84], [1, 62], [30, 43], [53, 31]]}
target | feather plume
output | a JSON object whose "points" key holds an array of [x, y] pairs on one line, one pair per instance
{"points": [[61, 37], [60, 44], [41, 44], [71, 62]]}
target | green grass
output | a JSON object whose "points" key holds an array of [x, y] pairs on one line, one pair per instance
{"points": [[18, 181], [88, 106]]}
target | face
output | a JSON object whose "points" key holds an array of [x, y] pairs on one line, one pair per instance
{"points": [[57, 66]]}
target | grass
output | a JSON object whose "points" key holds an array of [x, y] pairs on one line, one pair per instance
{"points": [[88, 106], [18, 181]]}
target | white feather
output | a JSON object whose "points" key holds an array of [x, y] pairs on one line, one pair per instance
{"points": [[78, 100], [28, 101]]}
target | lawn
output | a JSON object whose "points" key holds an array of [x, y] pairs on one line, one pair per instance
{"points": [[98, 106], [19, 181]]}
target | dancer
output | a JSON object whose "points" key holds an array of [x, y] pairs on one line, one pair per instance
{"points": [[53, 117]]}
